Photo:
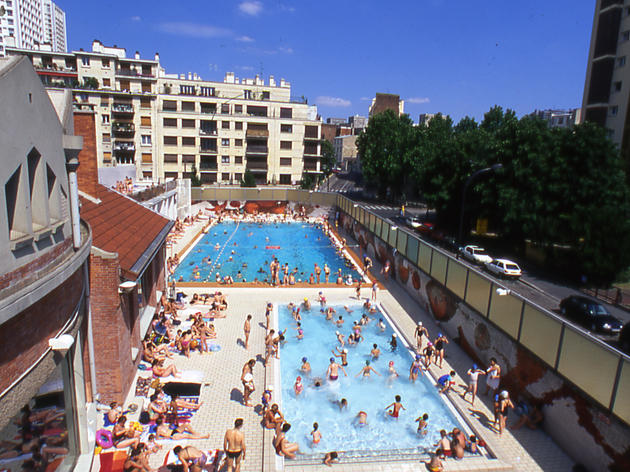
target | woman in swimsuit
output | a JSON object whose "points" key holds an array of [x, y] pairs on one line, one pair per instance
{"points": [[366, 370], [123, 437], [416, 368], [317, 436], [440, 342], [504, 404], [428, 354], [298, 387]]}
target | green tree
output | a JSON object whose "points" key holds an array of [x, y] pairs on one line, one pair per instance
{"points": [[385, 148], [248, 179], [194, 177], [328, 157], [307, 182], [90, 83]]}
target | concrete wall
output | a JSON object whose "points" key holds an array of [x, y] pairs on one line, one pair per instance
{"points": [[588, 432]]}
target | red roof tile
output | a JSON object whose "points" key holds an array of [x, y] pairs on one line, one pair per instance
{"points": [[121, 225]]}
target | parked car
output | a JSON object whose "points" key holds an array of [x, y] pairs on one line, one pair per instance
{"points": [[413, 221], [590, 313], [475, 254], [504, 268]]}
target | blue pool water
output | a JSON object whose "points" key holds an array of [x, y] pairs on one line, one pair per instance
{"points": [[372, 395], [300, 245]]}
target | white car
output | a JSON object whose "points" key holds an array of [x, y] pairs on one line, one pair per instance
{"points": [[504, 268], [475, 254]]}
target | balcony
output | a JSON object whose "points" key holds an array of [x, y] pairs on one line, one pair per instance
{"points": [[208, 164], [311, 151], [208, 131], [257, 133], [123, 129], [260, 149], [256, 165], [310, 166], [134, 73], [207, 150], [126, 146], [122, 108]]}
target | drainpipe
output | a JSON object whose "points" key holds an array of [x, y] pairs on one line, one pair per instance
{"points": [[72, 145]]}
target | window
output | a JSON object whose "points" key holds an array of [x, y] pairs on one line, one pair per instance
{"points": [[210, 108], [38, 191], [266, 95], [107, 157], [238, 159], [188, 158], [107, 138], [170, 122], [104, 101], [147, 158], [225, 109], [621, 61], [188, 106], [170, 158], [238, 177], [286, 128], [225, 176], [105, 62], [247, 94], [625, 36], [105, 119], [238, 125], [285, 161], [170, 140], [285, 144], [146, 87], [286, 112], [15, 200], [225, 125], [238, 108], [188, 124], [125, 85], [617, 86], [614, 110], [238, 142], [146, 140], [207, 92], [187, 90], [145, 103], [225, 141], [145, 121], [225, 159], [188, 141], [85, 61], [107, 83], [169, 105]]}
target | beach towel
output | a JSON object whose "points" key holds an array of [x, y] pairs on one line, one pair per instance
{"points": [[214, 457], [112, 461]]}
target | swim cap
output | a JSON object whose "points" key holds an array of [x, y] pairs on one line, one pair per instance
{"points": [[367, 362], [474, 366], [332, 359], [305, 299], [270, 388], [337, 333], [394, 335], [419, 323], [439, 335], [503, 394], [391, 363], [430, 344], [304, 359], [299, 378], [418, 357]]}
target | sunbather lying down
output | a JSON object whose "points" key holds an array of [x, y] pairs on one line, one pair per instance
{"points": [[181, 431]]}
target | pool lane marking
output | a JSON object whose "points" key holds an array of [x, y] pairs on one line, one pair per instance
{"points": [[223, 249], [449, 404], [277, 386]]}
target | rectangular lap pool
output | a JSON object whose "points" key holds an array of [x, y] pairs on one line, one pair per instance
{"points": [[383, 435], [244, 251]]}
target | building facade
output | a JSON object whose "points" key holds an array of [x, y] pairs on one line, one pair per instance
{"points": [[387, 101], [346, 152], [30, 24], [607, 85], [559, 118], [45, 331], [168, 125]]}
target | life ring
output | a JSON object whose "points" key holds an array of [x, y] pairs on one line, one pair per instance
{"points": [[272, 247], [104, 438]]}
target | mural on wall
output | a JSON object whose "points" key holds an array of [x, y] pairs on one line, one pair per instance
{"points": [[588, 432]]}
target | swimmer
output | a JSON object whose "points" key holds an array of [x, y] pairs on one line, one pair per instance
{"points": [[332, 373], [423, 422], [393, 343], [348, 309], [366, 370], [339, 322], [316, 435], [300, 331], [351, 341], [340, 338], [343, 354], [342, 404], [381, 324], [375, 352], [361, 418], [395, 407], [306, 304], [306, 367], [298, 387], [416, 368], [392, 371]]}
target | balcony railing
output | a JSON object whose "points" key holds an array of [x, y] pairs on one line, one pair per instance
{"points": [[208, 150], [121, 108], [256, 149], [133, 73], [207, 165], [152, 192], [124, 146], [208, 131], [123, 128], [254, 165]]}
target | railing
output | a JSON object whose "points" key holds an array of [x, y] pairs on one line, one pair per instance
{"points": [[254, 165], [208, 165], [256, 149], [124, 146], [120, 108], [154, 191], [133, 73], [295, 99], [208, 132], [211, 150], [123, 127], [572, 352]]}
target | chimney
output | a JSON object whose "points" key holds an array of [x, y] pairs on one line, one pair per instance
{"points": [[87, 172], [157, 56], [272, 81], [137, 55], [190, 76]]}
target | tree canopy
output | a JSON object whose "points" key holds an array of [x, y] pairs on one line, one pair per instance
{"points": [[558, 187]]}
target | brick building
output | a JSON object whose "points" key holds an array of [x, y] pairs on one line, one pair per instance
{"points": [[44, 326], [128, 246]]}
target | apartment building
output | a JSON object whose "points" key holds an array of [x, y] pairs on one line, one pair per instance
{"points": [[171, 125], [607, 84], [559, 118], [29, 24], [386, 101]]}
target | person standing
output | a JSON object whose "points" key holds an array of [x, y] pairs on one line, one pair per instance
{"points": [[419, 334], [247, 329], [234, 446], [247, 378], [326, 272], [374, 290], [494, 376], [439, 344], [504, 404], [473, 376]]}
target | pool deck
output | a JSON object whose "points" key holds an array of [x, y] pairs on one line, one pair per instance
{"points": [[523, 450]]}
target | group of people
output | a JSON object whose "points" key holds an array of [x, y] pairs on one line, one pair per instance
{"points": [[124, 186]]}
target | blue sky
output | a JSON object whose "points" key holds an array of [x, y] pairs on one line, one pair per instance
{"points": [[458, 57]]}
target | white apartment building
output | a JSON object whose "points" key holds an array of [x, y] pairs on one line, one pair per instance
{"points": [[30, 24], [169, 125]]}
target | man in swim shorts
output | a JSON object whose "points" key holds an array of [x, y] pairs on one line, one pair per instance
{"points": [[332, 373], [234, 446]]}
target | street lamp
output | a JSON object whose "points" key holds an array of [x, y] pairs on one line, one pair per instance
{"points": [[469, 180]]}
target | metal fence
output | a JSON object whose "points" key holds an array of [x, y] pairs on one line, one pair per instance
{"points": [[597, 369]]}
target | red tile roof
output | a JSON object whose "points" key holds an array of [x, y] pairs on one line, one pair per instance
{"points": [[123, 226]]}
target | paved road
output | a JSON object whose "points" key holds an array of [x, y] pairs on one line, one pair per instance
{"points": [[532, 286]]}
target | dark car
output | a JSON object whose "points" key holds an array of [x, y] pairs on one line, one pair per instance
{"points": [[590, 314]]}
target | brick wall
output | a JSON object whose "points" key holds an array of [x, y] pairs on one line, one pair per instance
{"points": [[87, 174], [24, 338]]}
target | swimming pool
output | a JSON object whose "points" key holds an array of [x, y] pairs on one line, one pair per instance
{"points": [[231, 247], [371, 395]]}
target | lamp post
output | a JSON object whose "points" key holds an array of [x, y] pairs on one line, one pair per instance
{"points": [[469, 180]]}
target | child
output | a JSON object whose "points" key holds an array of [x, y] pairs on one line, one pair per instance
{"points": [[298, 387], [423, 422], [152, 445], [397, 406], [317, 436], [330, 457], [266, 398], [446, 382], [393, 343]]}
